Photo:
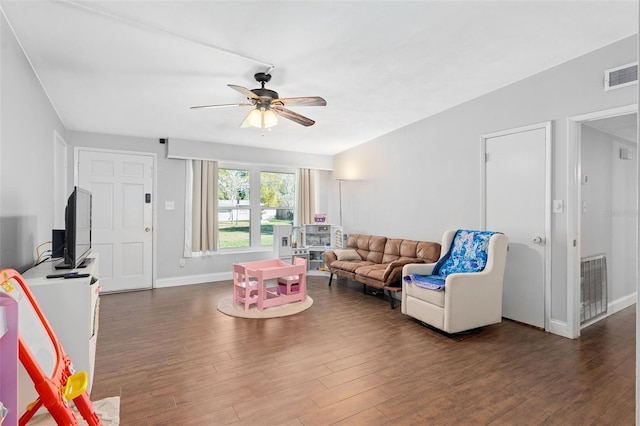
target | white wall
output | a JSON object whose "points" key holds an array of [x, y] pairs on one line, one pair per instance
{"points": [[623, 215], [610, 214], [418, 181], [26, 157], [169, 232], [597, 200], [183, 148]]}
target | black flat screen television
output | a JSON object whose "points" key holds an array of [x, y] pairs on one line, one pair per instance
{"points": [[77, 225]]}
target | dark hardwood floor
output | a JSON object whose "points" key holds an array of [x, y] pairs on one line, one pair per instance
{"points": [[349, 359]]}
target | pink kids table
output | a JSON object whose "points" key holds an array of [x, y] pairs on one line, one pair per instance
{"points": [[273, 269]]}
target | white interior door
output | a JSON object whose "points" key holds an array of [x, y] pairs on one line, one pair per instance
{"points": [[516, 200], [122, 216]]}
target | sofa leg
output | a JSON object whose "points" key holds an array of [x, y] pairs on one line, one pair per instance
{"points": [[392, 301], [330, 278], [364, 288]]}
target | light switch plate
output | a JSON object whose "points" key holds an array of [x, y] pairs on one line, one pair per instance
{"points": [[169, 205]]}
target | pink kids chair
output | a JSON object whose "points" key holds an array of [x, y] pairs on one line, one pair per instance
{"points": [[245, 289]]}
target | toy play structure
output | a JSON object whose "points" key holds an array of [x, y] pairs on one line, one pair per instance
{"points": [[44, 359]]}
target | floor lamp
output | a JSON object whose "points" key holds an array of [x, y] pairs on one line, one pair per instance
{"points": [[340, 198]]}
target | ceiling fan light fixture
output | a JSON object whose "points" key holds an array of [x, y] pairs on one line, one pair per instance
{"points": [[254, 119], [270, 118], [262, 118]]}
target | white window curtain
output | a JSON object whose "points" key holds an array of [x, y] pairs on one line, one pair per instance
{"points": [[306, 195], [201, 212]]}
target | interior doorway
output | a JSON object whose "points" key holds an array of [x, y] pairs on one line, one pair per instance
{"points": [[602, 212]]}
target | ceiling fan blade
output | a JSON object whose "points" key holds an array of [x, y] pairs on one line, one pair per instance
{"points": [[293, 116], [248, 93], [219, 106], [302, 101]]}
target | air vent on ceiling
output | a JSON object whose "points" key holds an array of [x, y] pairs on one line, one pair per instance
{"points": [[623, 76]]}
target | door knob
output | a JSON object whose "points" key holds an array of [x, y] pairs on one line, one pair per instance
{"points": [[537, 240], [147, 229]]}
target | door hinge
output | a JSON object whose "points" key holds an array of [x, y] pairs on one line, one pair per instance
{"points": [[574, 243]]}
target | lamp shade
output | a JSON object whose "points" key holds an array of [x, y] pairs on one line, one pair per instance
{"points": [[261, 118], [254, 118], [269, 118]]}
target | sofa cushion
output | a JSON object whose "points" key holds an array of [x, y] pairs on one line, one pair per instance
{"points": [[392, 250], [348, 254], [375, 271], [369, 247], [349, 265], [396, 248], [427, 250]]}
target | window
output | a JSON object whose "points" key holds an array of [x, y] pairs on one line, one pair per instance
{"points": [[250, 201], [234, 208], [277, 203]]}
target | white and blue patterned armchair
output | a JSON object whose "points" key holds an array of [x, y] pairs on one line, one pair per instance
{"points": [[463, 290]]}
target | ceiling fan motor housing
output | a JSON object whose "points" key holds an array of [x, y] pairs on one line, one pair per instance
{"points": [[265, 93], [263, 78]]}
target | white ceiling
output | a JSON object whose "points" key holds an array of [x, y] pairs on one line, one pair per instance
{"points": [[135, 67], [622, 126]]}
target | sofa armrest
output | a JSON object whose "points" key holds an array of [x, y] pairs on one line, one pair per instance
{"points": [[329, 257], [398, 264], [418, 269]]}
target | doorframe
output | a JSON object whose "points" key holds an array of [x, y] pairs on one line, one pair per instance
{"points": [[574, 200], [548, 128], [154, 197]]}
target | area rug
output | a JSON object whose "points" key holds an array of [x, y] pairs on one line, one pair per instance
{"points": [[226, 307], [107, 409]]}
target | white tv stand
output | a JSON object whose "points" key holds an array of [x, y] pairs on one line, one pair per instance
{"points": [[71, 307]]}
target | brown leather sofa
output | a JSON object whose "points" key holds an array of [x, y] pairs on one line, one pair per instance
{"points": [[377, 261]]}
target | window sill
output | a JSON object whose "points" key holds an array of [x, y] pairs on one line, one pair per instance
{"points": [[247, 250]]}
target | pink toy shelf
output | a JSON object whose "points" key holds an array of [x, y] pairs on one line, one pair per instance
{"points": [[8, 360]]}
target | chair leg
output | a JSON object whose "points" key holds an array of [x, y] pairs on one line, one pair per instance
{"points": [[330, 278]]}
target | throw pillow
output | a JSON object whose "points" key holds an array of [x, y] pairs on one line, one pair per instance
{"points": [[347, 254]]}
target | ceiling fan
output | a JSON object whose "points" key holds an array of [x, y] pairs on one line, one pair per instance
{"points": [[267, 104]]}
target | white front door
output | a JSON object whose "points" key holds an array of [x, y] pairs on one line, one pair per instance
{"points": [[516, 200], [122, 216]]}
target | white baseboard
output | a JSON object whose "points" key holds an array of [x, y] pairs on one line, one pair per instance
{"points": [[613, 307], [192, 279], [620, 304], [561, 328]]}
